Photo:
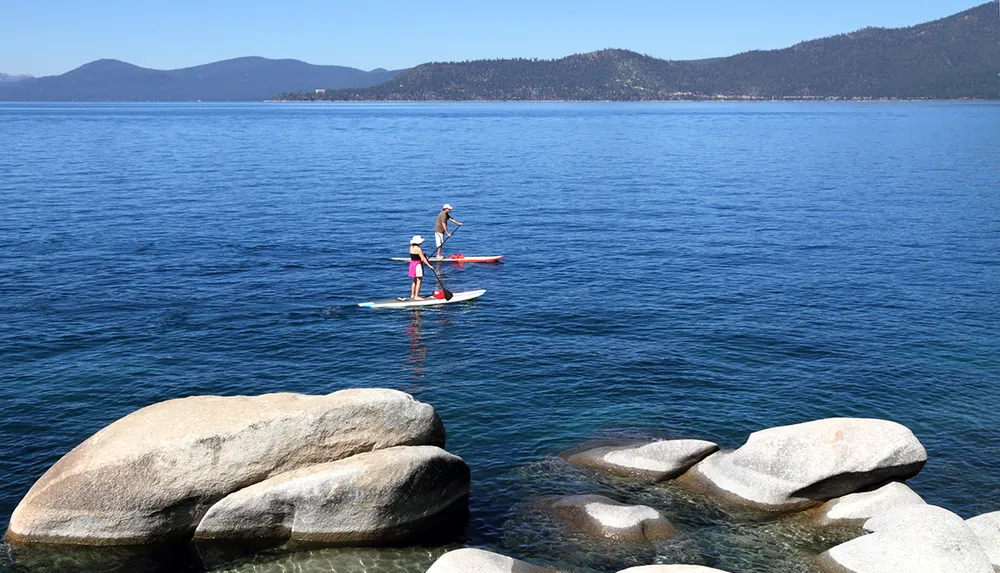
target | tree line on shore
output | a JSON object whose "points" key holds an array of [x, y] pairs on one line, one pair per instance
{"points": [[952, 58]]}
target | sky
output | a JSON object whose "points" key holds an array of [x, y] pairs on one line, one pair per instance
{"points": [[47, 37]]}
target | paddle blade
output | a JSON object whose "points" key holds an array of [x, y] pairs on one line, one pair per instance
{"points": [[447, 294]]}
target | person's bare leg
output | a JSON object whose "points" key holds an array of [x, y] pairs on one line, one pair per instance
{"points": [[413, 288], [416, 289]]}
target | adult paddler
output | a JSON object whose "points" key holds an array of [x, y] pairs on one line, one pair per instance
{"points": [[441, 227]]}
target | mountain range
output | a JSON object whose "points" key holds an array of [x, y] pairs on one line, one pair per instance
{"points": [[950, 58], [13, 78], [240, 79]]}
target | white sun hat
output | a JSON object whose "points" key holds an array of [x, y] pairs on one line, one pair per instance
{"points": [[416, 240], [446, 206]]}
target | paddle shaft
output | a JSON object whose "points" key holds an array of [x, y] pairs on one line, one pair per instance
{"points": [[457, 227], [447, 293]]}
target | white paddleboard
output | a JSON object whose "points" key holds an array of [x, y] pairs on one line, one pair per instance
{"points": [[427, 301], [454, 259]]}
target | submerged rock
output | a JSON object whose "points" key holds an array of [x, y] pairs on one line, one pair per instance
{"points": [[656, 461], [339, 560], [671, 569], [914, 539], [796, 467], [394, 495], [478, 561], [599, 516], [153, 474], [987, 530], [859, 507]]}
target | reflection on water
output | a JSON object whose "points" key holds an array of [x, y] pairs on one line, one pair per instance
{"points": [[418, 349], [423, 327]]}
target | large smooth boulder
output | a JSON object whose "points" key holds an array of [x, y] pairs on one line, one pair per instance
{"points": [[652, 462], [153, 474], [387, 496], [671, 569], [602, 517], [914, 539], [857, 508], [799, 466], [478, 561], [987, 530]]}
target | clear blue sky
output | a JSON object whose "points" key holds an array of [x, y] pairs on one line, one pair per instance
{"points": [[44, 37]]}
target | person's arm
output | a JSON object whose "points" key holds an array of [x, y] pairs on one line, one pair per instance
{"points": [[423, 257], [457, 222]]}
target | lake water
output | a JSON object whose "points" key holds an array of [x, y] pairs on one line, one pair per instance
{"points": [[693, 270]]}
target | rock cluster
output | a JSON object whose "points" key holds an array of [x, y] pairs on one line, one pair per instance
{"points": [[253, 468], [844, 471], [367, 467]]}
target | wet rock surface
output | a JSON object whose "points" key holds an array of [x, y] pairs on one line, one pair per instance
{"points": [[653, 461]]}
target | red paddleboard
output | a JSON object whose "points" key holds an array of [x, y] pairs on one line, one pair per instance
{"points": [[456, 259]]}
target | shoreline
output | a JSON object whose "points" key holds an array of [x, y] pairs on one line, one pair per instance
{"points": [[692, 100], [485, 101]]}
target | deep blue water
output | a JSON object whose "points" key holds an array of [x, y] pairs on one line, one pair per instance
{"points": [[696, 270]]}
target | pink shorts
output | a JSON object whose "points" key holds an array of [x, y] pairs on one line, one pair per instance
{"points": [[416, 270]]}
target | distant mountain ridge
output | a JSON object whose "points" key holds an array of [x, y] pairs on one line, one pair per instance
{"points": [[950, 58], [240, 79], [4, 78]]}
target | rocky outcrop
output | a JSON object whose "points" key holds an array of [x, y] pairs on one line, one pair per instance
{"points": [[914, 539], [671, 569], [857, 508], [796, 467], [153, 474], [478, 561], [987, 530], [601, 517], [653, 462], [387, 496]]}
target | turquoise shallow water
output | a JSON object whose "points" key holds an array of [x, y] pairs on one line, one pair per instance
{"points": [[695, 270]]}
